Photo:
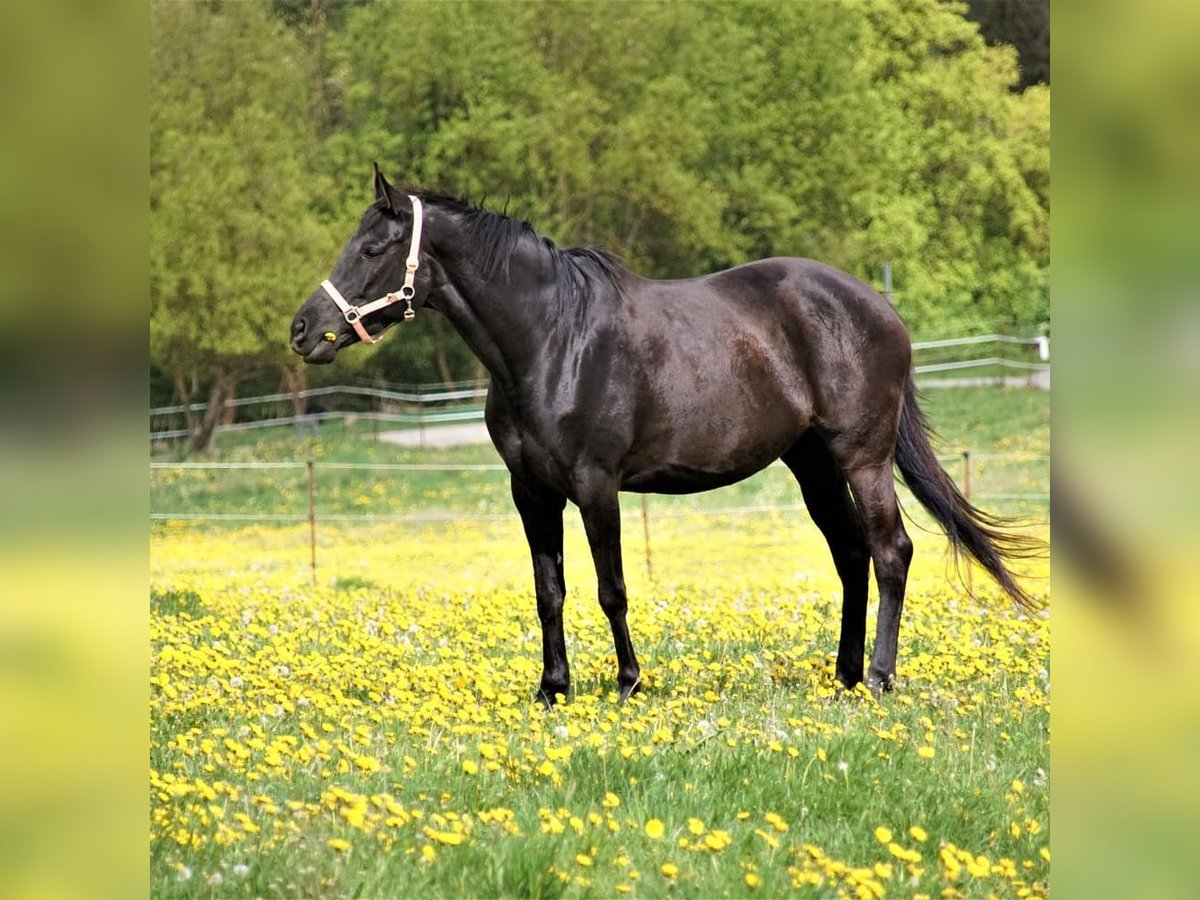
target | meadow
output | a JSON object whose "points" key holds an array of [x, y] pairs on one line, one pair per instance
{"points": [[374, 735]]}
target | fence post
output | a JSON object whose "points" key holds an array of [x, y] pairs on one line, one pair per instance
{"points": [[312, 518], [966, 491], [646, 538]]}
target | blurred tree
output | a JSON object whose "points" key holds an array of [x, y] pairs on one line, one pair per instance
{"points": [[974, 224], [684, 137], [233, 237]]}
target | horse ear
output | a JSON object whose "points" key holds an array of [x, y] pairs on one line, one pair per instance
{"points": [[383, 190]]}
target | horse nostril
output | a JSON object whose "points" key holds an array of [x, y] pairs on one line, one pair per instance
{"points": [[299, 326]]}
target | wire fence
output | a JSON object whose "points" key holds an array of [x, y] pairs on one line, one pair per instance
{"points": [[960, 464], [937, 363]]}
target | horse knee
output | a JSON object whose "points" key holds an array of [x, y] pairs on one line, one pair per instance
{"points": [[614, 603], [549, 610]]}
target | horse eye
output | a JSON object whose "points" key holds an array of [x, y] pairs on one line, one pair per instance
{"points": [[372, 251]]}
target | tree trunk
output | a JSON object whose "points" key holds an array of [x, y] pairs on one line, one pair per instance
{"points": [[184, 394], [295, 380], [204, 437], [439, 355]]}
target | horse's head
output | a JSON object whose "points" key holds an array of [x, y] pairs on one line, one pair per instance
{"points": [[381, 276]]}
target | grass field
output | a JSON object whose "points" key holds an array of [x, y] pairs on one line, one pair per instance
{"points": [[374, 735]]}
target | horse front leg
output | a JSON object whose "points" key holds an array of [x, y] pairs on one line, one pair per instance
{"points": [[541, 516], [601, 514]]}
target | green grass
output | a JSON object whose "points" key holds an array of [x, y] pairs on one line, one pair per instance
{"points": [[739, 722], [418, 646]]}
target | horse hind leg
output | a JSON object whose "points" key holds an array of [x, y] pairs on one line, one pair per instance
{"points": [[828, 499], [891, 550], [600, 509]]}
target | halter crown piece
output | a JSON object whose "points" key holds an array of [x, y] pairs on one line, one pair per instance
{"points": [[354, 314]]}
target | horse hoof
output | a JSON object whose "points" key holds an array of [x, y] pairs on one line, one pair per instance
{"points": [[550, 695], [849, 682], [628, 690], [880, 686]]}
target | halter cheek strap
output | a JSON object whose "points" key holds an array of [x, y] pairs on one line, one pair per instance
{"points": [[354, 314]]}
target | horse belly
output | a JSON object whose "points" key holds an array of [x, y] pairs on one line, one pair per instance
{"points": [[672, 479]]}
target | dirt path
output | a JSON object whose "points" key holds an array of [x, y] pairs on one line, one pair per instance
{"points": [[439, 435]]}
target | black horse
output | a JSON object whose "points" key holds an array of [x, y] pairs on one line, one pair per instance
{"points": [[603, 381]]}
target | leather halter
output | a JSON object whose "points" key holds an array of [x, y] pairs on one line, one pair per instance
{"points": [[354, 314]]}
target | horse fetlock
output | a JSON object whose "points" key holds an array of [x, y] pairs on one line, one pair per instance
{"points": [[881, 682]]}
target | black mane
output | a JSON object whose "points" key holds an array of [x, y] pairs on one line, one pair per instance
{"points": [[494, 236]]}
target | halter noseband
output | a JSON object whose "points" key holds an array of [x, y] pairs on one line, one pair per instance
{"points": [[354, 314]]}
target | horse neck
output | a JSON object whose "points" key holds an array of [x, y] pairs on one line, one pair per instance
{"points": [[506, 320]]}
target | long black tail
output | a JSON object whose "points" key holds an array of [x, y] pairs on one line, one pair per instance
{"points": [[983, 536]]}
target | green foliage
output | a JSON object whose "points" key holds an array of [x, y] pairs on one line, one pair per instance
{"points": [[684, 137], [233, 239]]}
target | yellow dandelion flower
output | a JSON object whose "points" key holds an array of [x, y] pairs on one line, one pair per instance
{"points": [[695, 826], [366, 764], [918, 833], [883, 835], [669, 870], [655, 828], [338, 844], [925, 752], [429, 853], [583, 859], [903, 853], [752, 880], [717, 840], [470, 767], [610, 801], [449, 838], [767, 839]]}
